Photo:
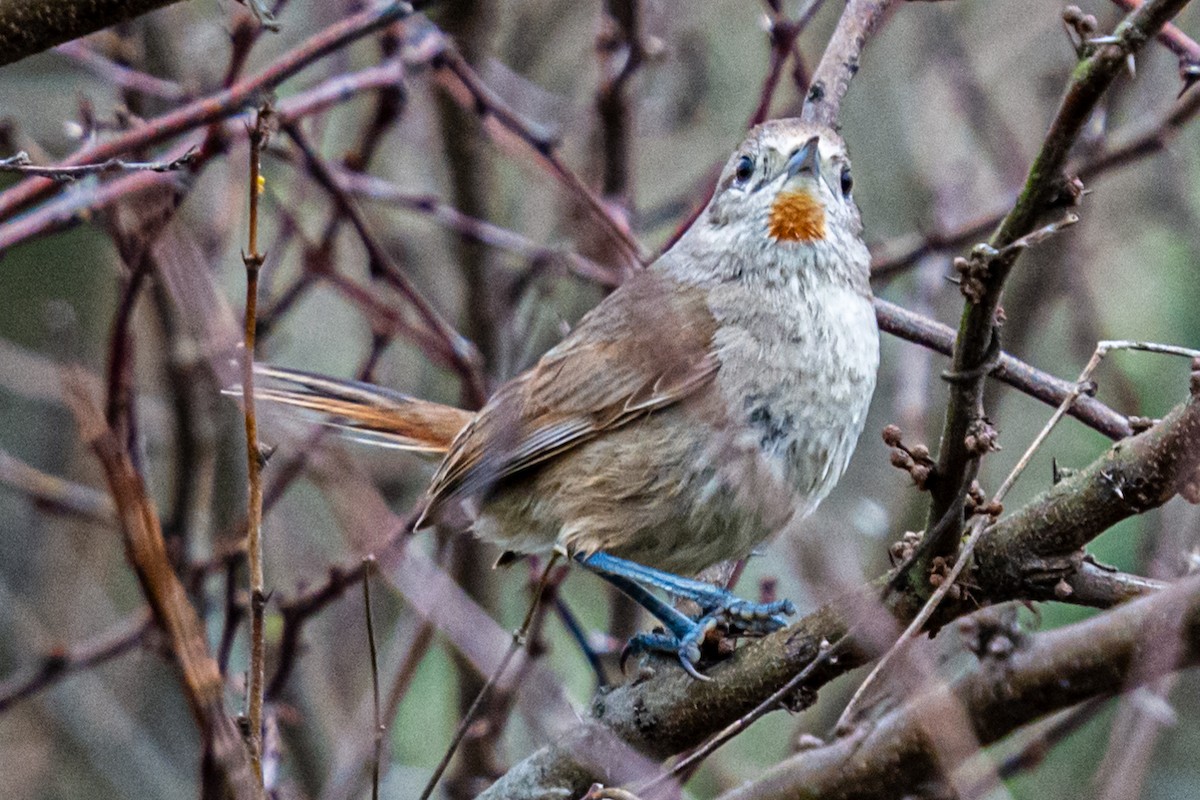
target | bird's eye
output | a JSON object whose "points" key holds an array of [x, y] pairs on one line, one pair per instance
{"points": [[744, 170], [847, 182]]}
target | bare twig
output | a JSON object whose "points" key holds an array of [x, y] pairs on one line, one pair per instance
{"points": [[500, 121], [518, 640], [452, 346], [299, 610], [368, 187], [1049, 389], [66, 211], [253, 261], [59, 663], [894, 257], [216, 106], [839, 64], [122, 75], [21, 163], [379, 730], [55, 493]]}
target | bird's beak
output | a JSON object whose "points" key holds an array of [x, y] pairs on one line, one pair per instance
{"points": [[806, 160]]}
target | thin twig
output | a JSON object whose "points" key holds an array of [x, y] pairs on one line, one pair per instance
{"points": [[59, 663], [122, 75], [518, 640], [368, 563], [468, 89], [253, 261], [55, 493], [369, 187], [21, 163], [913, 327], [454, 348]]}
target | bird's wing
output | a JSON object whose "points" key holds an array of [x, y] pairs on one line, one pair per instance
{"points": [[646, 347], [376, 414]]}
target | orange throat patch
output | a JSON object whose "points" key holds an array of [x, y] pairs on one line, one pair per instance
{"points": [[796, 217]]}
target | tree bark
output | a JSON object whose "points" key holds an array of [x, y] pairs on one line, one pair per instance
{"points": [[31, 26]]}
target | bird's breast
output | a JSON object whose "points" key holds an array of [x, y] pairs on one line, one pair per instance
{"points": [[798, 366]]}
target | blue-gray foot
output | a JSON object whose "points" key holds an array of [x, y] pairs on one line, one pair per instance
{"points": [[684, 637]]}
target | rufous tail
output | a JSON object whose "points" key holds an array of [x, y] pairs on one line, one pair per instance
{"points": [[376, 415]]}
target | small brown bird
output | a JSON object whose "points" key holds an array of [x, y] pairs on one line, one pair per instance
{"points": [[690, 415]]}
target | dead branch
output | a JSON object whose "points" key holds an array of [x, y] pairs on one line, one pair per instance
{"points": [[200, 678]]}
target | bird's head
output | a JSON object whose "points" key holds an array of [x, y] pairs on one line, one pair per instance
{"points": [[786, 195]]}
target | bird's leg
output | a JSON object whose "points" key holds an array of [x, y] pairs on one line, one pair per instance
{"points": [[685, 634], [711, 599]]}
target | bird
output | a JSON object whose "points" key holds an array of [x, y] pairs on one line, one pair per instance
{"points": [[714, 396]]}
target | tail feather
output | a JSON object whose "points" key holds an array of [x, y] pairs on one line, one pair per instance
{"points": [[376, 415]]}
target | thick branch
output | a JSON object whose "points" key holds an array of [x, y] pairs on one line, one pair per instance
{"points": [[1049, 672], [1137, 474], [31, 26], [839, 64]]}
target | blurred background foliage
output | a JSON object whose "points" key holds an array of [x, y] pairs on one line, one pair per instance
{"points": [[942, 122]]}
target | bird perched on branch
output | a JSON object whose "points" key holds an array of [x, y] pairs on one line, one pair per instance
{"points": [[698, 408]]}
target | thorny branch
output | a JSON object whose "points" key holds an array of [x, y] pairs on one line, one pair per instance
{"points": [[977, 343], [252, 259]]}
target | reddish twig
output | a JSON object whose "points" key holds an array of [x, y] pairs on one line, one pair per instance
{"points": [[60, 663], [216, 106], [452, 347], [501, 121]]}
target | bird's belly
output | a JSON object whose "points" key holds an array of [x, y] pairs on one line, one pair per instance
{"points": [[670, 490]]}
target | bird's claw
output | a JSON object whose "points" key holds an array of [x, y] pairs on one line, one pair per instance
{"points": [[745, 618], [686, 647], [739, 618]]}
